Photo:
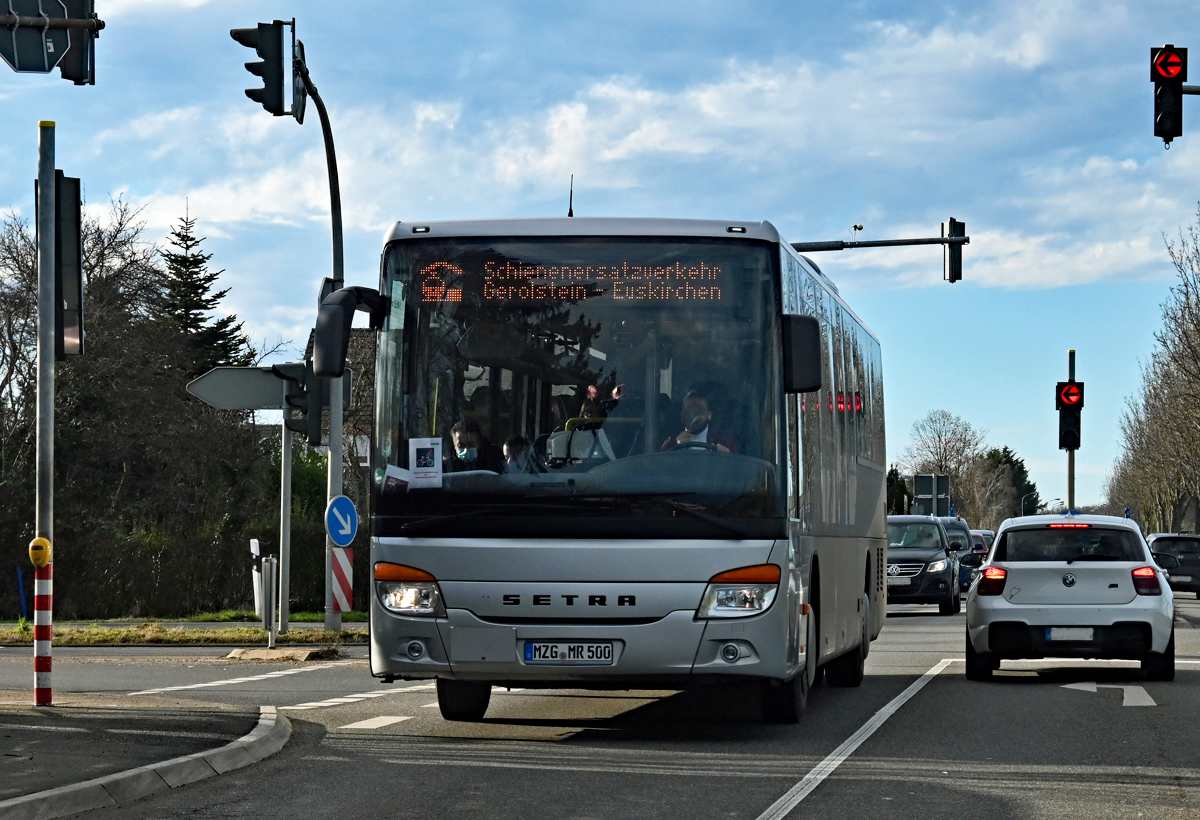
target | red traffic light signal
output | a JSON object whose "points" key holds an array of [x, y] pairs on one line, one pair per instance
{"points": [[1168, 64], [1068, 395]]}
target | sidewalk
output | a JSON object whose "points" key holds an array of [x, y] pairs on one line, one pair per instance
{"points": [[87, 751]]}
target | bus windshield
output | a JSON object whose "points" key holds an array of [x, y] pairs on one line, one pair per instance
{"points": [[629, 381]]}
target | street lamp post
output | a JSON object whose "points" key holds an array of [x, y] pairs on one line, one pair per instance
{"points": [[1034, 492]]}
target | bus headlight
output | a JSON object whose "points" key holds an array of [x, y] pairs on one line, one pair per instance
{"points": [[740, 593], [408, 591]]}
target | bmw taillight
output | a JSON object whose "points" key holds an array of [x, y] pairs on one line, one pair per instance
{"points": [[992, 582], [1145, 581]]}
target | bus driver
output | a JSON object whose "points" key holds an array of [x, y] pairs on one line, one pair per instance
{"points": [[697, 426]]}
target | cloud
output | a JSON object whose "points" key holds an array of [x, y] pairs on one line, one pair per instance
{"points": [[120, 8], [902, 111]]}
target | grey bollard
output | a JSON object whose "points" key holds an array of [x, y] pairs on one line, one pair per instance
{"points": [[269, 576]]}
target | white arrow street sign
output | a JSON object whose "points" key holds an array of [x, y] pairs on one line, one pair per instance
{"points": [[1134, 695], [239, 388]]}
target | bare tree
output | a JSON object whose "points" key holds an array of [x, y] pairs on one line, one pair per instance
{"points": [[943, 443]]}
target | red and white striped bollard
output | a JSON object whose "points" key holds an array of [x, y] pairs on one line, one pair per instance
{"points": [[43, 605]]}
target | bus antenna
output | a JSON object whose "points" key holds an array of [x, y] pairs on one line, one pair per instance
{"points": [[571, 199]]}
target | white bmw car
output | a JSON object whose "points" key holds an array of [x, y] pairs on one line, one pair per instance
{"points": [[1071, 586]]}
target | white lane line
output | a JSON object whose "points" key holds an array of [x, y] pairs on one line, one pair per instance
{"points": [[322, 704], [826, 767], [230, 681], [375, 722]]}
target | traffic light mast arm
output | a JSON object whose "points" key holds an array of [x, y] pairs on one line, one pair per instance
{"points": [[839, 245], [335, 191], [18, 21], [1191, 89]]}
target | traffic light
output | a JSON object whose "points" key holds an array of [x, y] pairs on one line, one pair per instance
{"points": [[79, 63], [305, 394], [267, 40], [1068, 399], [1168, 72], [953, 251], [68, 265], [1068, 428]]}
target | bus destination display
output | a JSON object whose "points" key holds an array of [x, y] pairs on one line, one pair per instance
{"points": [[626, 281]]}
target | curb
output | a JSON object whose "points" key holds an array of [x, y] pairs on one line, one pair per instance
{"points": [[268, 737]]}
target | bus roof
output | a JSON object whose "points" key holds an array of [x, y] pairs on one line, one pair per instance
{"points": [[585, 226]]}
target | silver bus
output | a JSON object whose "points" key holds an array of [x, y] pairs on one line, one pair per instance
{"points": [[617, 453]]}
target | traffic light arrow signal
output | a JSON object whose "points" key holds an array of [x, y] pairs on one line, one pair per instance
{"points": [[1068, 395], [1168, 64]]}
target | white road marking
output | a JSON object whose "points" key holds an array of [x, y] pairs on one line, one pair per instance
{"points": [[376, 722], [231, 681], [780, 808], [1133, 695], [322, 704]]}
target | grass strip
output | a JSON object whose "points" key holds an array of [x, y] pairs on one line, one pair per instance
{"points": [[158, 634]]}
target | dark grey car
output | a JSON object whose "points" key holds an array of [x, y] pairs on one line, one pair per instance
{"points": [[959, 535], [1186, 550], [922, 565]]}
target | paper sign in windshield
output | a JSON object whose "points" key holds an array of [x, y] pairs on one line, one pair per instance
{"points": [[425, 462]]}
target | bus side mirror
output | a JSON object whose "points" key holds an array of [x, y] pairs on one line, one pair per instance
{"points": [[801, 354], [334, 317]]}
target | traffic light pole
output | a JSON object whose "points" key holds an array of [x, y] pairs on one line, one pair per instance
{"points": [[1071, 453], [333, 617], [954, 236], [285, 515], [44, 521]]}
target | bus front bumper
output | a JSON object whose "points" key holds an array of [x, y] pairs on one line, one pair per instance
{"points": [[674, 651]]}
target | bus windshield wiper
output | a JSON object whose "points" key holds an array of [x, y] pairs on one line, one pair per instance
{"points": [[732, 526]]}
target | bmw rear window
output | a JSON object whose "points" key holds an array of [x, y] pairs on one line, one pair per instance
{"points": [[1069, 544]]}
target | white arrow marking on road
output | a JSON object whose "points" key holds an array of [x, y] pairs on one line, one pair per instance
{"points": [[345, 522], [1134, 695]]}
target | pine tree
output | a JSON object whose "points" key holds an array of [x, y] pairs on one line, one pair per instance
{"points": [[190, 301]]}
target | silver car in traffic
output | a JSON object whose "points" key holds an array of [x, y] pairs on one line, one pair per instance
{"points": [[1070, 586]]}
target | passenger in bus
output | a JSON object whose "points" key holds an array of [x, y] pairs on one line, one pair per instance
{"points": [[472, 450], [518, 456], [697, 426]]}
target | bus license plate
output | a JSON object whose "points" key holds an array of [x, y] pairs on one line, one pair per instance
{"points": [[569, 653], [899, 582]]}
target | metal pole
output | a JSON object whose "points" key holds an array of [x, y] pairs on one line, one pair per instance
{"points": [[1070, 453], [44, 524], [333, 618], [268, 595], [1070, 479], [285, 518]]}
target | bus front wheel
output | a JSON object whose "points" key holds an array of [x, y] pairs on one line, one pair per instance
{"points": [[785, 701], [462, 699]]}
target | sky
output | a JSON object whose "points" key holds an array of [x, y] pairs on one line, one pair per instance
{"points": [[1029, 121]]}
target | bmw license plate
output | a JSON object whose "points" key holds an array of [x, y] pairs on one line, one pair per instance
{"points": [[1068, 633], [898, 582], [569, 653], [1180, 578]]}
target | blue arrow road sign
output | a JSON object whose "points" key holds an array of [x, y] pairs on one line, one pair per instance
{"points": [[341, 520]]}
